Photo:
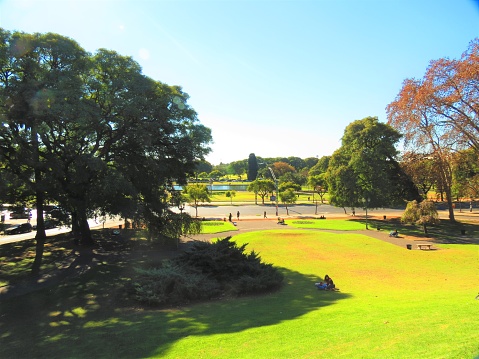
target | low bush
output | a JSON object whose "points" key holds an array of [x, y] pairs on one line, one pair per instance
{"points": [[172, 284], [206, 271]]}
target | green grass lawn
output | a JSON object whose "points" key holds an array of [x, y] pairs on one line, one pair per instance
{"points": [[217, 227], [393, 303], [246, 196], [331, 224]]}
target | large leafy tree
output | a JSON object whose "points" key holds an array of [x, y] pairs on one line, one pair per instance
{"points": [[91, 132], [238, 167], [421, 169], [319, 184], [466, 174], [262, 187], [281, 168], [287, 197], [321, 166], [40, 84], [296, 162], [364, 171], [439, 114], [195, 194], [310, 162]]}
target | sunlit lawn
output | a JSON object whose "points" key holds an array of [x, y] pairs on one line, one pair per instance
{"points": [[217, 227], [331, 224], [245, 196], [393, 303]]}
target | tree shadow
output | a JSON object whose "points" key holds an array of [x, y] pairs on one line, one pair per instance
{"points": [[445, 232], [92, 317]]}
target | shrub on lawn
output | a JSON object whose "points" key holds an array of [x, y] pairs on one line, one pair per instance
{"points": [[206, 271], [172, 284]]}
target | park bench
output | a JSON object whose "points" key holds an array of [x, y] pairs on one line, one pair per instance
{"points": [[424, 246]]}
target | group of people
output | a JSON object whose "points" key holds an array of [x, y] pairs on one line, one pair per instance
{"points": [[327, 284], [230, 217]]}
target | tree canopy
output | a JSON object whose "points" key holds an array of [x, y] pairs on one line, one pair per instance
{"points": [[91, 132], [364, 171], [439, 114]]}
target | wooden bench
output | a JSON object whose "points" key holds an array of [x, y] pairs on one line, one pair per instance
{"points": [[424, 246]]}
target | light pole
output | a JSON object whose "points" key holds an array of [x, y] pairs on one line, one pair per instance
{"points": [[367, 203], [276, 185]]}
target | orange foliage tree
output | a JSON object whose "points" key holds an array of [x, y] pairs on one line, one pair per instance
{"points": [[439, 114]]}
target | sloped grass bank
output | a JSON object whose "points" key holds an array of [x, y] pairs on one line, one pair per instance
{"points": [[393, 303]]}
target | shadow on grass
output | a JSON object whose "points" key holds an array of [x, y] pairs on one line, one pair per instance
{"points": [[92, 317], [445, 232]]}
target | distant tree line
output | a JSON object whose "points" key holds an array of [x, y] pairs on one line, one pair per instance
{"points": [[436, 119]]}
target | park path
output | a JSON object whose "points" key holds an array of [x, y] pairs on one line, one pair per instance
{"points": [[255, 224]]}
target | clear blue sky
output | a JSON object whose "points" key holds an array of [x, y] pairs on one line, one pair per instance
{"points": [[270, 77]]}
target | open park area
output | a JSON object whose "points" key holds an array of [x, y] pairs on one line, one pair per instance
{"points": [[239, 179], [392, 302]]}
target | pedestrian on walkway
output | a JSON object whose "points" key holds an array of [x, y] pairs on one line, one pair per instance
{"points": [[237, 215], [264, 215]]}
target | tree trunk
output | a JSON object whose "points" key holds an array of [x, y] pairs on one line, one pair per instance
{"points": [[40, 237], [85, 231], [75, 224], [86, 237], [39, 248], [80, 226], [450, 205], [446, 179]]}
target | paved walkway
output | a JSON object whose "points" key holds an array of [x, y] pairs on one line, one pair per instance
{"points": [[255, 224]]}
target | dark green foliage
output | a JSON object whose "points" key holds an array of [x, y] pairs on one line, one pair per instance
{"points": [[364, 171], [252, 167], [207, 270], [173, 284]]}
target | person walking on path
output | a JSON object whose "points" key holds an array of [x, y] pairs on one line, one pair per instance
{"points": [[237, 215]]}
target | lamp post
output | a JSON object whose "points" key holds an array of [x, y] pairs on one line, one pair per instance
{"points": [[367, 203], [276, 185]]}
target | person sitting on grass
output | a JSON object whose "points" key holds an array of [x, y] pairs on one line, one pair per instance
{"points": [[330, 285], [321, 285]]}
